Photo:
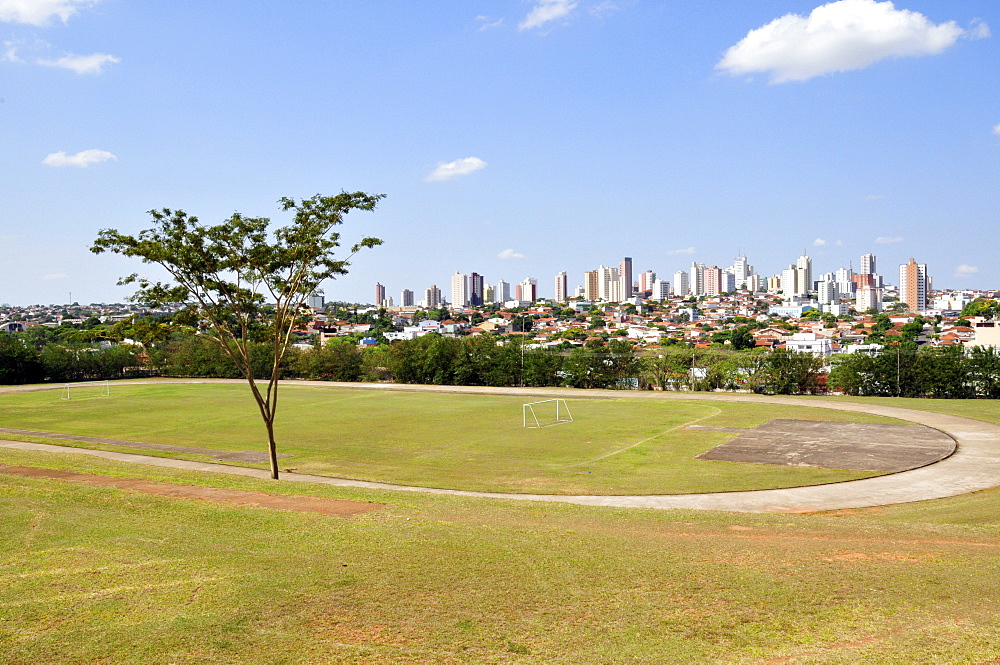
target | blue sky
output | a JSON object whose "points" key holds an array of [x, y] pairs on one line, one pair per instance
{"points": [[511, 138]]}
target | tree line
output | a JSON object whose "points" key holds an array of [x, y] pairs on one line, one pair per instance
{"points": [[61, 355]]}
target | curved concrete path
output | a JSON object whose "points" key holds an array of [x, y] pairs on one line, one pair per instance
{"points": [[974, 466]]}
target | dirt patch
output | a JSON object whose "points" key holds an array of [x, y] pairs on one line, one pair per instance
{"points": [[299, 504], [248, 456], [836, 445]]}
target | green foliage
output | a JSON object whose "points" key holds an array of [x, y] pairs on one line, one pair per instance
{"points": [[19, 361], [903, 371], [243, 281]]}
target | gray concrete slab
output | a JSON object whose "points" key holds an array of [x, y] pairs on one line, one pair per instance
{"points": [[836, 445], [974, 466]]}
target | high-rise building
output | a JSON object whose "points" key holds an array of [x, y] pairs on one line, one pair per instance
{"points": [[379, 294], [432, 297], [646, 280], [713, 281], [868, 298], [914, 285], [459, 289], [868, 264], [529, 289], [681, 286], [728, 284], [827, 293], [489, 293], [475, 289], [789, 281], [741, 270], [561, 287], [659, 290], [607, 276], [406, 298], [804, 283], [315, 301], [754, 283], [697, 281], [625, 275], [592, 285], [845, 281], [502, 291]]}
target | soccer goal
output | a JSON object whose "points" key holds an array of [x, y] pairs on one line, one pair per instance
{"points": [[87, 389], [546, 413]]}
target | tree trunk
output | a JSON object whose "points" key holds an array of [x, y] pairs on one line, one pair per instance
{"points": [[272, 449]]}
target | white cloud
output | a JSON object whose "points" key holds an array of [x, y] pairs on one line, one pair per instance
{"points": [[996, 128], [82, 64], [978, 29], [39, 12], [603, 9], [84, 158], [454, 169], [965, 270], [10, 52], [676, 252], [818, 242], [509, 254], [545, 11], [883, 240], [486, 22], [840, 36]]}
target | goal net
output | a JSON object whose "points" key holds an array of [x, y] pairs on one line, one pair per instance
{"points": [[87, 389], [546, 413]]}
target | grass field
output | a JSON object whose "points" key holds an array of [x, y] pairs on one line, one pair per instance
{"points": [[470, 442], [101, 575]]}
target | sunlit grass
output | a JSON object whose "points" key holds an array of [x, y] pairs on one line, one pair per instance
{"points": [[472, 442]]}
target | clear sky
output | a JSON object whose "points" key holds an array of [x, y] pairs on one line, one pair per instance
{"points": [[511, 137]]}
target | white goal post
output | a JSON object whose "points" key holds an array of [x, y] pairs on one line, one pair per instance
{"points": [[540, 414], [86, 389]]}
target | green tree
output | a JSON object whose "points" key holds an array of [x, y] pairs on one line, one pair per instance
{"points": [[244, 282]]}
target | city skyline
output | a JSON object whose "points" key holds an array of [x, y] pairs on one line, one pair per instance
{"points": [[513, 138], [607, 283]]}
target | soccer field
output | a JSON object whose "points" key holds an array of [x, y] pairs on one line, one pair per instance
{"points": [[470, 442]]}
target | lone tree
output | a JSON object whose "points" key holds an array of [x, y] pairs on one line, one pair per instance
{"points": [[241, 281]]}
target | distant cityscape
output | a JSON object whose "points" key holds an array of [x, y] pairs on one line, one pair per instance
{"points": [[835, 292]]}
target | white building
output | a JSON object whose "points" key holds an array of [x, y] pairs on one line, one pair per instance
{"points": [[845, 281], [810, 343], [789, 281], [502, 293], [697, 279], [803, 283], [827, 293], [681, 286], [660, 290], [606, 277], [459, 289], [561, 287]]}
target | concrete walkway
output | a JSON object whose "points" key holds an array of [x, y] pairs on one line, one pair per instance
{"points": [[974, 466]]}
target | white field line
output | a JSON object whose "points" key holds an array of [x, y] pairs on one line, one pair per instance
{"points": [[658, 434]]}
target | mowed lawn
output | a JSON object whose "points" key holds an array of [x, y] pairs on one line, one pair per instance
{"points": [[469, 442], [95, 574]]}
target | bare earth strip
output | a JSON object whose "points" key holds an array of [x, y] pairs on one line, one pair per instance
{"points": [[299, 504], [974, 466]]}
